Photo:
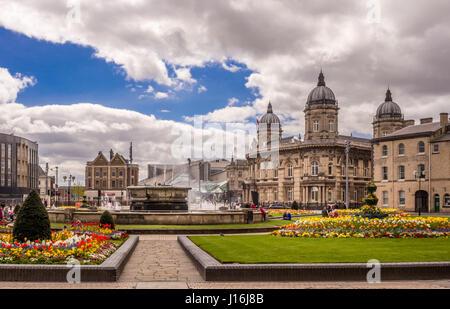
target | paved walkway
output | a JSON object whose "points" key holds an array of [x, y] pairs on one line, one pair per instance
{"points": [[159, 262]]}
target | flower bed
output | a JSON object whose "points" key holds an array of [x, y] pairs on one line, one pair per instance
{"points": [[280, 212], [355, 226], [87, 243], [387, 211]]}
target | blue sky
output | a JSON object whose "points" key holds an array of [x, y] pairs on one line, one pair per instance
{"points": [[69, 73]]}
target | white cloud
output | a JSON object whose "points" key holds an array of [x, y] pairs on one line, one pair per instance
{"points": [[10, 85], [407, 49], [202, 89], [149, 89], [161, 95], [232, 101]]}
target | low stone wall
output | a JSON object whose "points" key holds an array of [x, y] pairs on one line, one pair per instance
{"points": [[108, 271], [212, 270], [146, 218]]}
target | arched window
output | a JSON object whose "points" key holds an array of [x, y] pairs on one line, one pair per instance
{"points": [[384, 151], [421, 147], [315, 194], [316, 126], [314, 169], [330, 169], [289, 169], [331, 126], [401, 149], [447, 200]]}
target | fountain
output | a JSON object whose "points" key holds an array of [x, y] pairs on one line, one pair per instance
{"points": [[158, 198]]}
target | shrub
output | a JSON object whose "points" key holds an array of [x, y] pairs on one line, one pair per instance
{"points": [[107, 218], [16, 209], [32, 221], [294, 205]]}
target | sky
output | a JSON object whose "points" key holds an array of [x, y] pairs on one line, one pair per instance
{"points": [[82, 76]]}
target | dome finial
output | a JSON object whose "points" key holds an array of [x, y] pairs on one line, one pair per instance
{"points": [[321, 79], [388, 95], [269, 108]]}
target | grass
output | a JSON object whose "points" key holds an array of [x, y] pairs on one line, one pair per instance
{"points": [[256, 249], [269, 223]]}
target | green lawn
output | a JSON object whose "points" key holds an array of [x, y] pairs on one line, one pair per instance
{"points": [[269, 223], [270, 249]]}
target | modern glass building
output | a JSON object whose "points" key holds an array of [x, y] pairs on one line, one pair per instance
{"points": [[18, 168]]}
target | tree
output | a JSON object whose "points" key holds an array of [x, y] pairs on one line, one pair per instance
{"points": [[294, 205], [32, 221], [107, 218], [78, 191]]}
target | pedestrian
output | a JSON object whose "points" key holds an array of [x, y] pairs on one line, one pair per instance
{"points": [[264, 213]]}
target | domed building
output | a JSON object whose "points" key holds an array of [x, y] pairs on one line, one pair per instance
{"points": [[388, 118], [309, 171]]}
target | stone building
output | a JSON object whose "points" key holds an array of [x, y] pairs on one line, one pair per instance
{"points": [[111, 177], [311, 171], [19, 173], [412, 164], [237, 173]]}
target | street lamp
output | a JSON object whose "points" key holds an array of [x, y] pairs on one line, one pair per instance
{"points": [[418, 175], [69, 180], [347, 150], [56, 184]]}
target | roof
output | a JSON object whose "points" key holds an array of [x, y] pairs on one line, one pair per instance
{"points": [[442, 138], [417, 129], [389, 109], [321, 94], [270, 117]]}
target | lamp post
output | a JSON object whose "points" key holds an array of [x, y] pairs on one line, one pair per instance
{"points": [[69, 179], [347, 150], [56, 184]]}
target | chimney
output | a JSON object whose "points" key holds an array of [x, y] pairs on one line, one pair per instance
{"points": [[426, 120], [444, 122], [408, 123], [111, 154]]}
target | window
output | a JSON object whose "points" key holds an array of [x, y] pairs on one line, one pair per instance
{"points": [[384, 172], [113, 184], [401, 149], [120, 172], [120, 183], [331, 126], [384, 151], [316, 126], [435, 148], [105, 171], [315, 194], [289, 194], [97, 172], [275, 173], [239, 173], [401, 198], [104, 184], [314, 169], [113, 172], [385, 198], [355, 195], [447, 200], [290, 170], [421, 170], [330, 169], [275, 195], [355, 171], [421, 147], [401, 172], [330, 196]]}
